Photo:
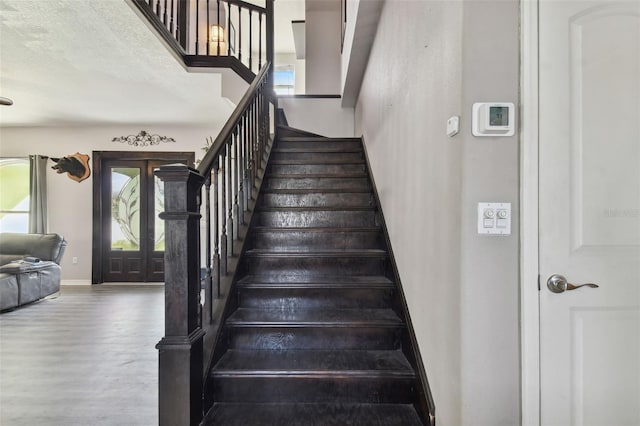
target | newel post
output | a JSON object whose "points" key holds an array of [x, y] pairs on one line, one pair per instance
{"points": [[180, 350], [270, 38]]}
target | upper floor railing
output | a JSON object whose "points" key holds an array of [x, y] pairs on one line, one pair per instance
{"points": [[215, 33]]}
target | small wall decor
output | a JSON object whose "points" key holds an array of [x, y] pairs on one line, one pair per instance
{"points": [[143, 138], [76, 166]]}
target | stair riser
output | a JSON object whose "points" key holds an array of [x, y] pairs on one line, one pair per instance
{"points": [[316, 199], [306, 240], [320, 145], [316, 389], [309, 338], [319, 157], [301, 298], [305, 219], [301, 169], [318, 183], [315, 266]]}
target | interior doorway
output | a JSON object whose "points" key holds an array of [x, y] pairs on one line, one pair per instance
{"points": [[128, 235]]}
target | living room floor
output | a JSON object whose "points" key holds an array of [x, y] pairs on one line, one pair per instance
{"points": [[87, 357]]}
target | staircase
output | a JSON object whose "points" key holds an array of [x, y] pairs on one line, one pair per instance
{"points": [[315, 332]]}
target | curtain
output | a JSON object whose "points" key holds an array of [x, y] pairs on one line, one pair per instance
{"points": [[38, 194]]}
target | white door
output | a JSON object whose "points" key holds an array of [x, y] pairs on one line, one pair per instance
{"points": [[589, 128]]}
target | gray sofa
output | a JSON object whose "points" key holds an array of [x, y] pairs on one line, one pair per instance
{"points": [[29, 267]]}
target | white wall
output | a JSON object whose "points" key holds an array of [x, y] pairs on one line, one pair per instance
{"points": [[431, 60], [70, 202], [322, 47], [303, 113]]}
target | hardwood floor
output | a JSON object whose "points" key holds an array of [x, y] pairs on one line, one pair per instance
{"points": [[87, 357]]}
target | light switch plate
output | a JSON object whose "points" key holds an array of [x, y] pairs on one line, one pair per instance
{"points": [[494, 218], [453, 126]]}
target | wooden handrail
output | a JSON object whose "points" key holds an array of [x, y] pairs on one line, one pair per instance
{"points": [[207, 162]]}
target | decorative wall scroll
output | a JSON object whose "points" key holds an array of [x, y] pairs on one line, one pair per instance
{"points": [[143, 138], [76, 166]]}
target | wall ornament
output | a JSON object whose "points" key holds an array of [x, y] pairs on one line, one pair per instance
{"points": [[142, 139]]}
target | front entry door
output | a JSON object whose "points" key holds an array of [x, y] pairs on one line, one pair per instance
{"points": [[589, 134], [130, 244]]}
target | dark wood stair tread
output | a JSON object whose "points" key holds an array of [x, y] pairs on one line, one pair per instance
{"points": [[316, 139], [324, 363], [317, 176], [315, 191], [311, 279], [315, 209], [309, 414], [318, 149], [337, 160], [313, 252], [245, 317], [263, 229]]}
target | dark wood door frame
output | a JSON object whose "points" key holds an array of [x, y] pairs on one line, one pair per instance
{"points": [[100, 158]]}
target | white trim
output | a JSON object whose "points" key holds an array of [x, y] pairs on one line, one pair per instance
{"points": [[529, 266]]}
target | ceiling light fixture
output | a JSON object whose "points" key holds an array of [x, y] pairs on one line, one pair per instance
{"points": [[5, 101]]}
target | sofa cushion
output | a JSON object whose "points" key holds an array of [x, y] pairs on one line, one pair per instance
{"points": [[15, 246], [8, 291]]}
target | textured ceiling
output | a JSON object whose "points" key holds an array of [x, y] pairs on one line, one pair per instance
{"points": [[87, 62]]}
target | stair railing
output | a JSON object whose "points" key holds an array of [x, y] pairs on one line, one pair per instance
{"points": [[214, 33], [227, 174]]}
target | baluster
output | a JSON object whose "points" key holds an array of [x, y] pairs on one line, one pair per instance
{"points": [[249, 184], [250, 39], [158, 13], [197, 26], [245, 161], [229, 29], [208, 303], [259, 40], [230, 226], [223, 215], [164, 19], [239, 33], [256, 141], [208, 28], [181, 26], [218, 35], [216, 227], [239, 183], [173, 11]]}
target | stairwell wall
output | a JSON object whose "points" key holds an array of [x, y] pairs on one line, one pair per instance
{"points": [[431, 60]]}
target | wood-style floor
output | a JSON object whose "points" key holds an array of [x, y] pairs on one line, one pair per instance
{"points": [[87, 357]]}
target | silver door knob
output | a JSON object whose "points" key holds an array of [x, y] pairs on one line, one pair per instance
{"points": [[559, 284]]}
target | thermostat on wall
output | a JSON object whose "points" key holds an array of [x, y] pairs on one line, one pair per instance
{"points": [[493, 119]]}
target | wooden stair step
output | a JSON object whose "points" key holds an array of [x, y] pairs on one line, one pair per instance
{"points": [[313, 217], [293, 169], [308, 157], [303, 191], [283, 239], [315, 253], [328, 160], [245, 317], [372, 280], [303, 138], [319, 182], [309, 414], [356, 175], [322, 363]]}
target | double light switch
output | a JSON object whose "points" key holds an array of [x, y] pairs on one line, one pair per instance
{"points": [[494, 218]]}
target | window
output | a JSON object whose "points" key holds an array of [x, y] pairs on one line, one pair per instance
{"points": [[284, 80], [14, 195]]}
